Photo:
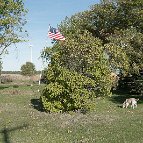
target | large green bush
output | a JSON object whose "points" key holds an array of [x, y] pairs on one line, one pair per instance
{"points": [[78, 73], [69, 91], [65, 91]]}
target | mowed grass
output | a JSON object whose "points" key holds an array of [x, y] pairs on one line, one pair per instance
{"points": [[22, 120]]}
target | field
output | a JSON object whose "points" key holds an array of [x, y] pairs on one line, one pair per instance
{"points": [[23, 121]]}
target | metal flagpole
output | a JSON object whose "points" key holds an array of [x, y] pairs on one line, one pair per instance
{"points": [[31, 58]]}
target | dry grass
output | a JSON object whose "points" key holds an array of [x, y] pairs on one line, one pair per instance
{"points": [[20, 79]]}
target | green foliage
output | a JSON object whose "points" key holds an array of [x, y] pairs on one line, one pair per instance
{"points": [[119, 25], [28, 69], [115, 15], [126, 45], [103, 39], [70, 91], [78, 73], [12, 20], [66, 91]]}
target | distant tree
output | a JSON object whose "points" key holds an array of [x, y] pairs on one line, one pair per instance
{"points": [[12, 20], [28, 69]]}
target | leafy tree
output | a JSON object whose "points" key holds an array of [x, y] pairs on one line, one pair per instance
{"points": [[12, 13], [119, 25], [64, 91], [28, 69], [78, 73], [129, 42], [98, 41]]}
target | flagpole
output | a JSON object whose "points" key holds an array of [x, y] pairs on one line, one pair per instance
{"points": [[49, 27], [31, 58]]}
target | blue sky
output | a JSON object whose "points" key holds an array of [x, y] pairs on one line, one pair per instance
{"points": [[41, 14]]}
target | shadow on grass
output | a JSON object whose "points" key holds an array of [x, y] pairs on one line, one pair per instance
{"points": [[6, 131], [15, 86], [120, 96], [36, 104], [3, 87]]}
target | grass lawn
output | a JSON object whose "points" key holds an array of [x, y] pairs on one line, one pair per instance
{"points": [[21, 120]]}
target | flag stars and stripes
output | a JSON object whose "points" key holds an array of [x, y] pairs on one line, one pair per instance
{"points": [[55, 34]]}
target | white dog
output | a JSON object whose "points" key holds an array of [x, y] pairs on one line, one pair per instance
{"points": [[132, 101]]}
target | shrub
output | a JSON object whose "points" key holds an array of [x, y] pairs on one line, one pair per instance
{"points": [[65, 92], [69, 91], [78, 72]]}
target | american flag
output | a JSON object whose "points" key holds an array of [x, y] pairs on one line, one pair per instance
{"points": [[55, 34]]}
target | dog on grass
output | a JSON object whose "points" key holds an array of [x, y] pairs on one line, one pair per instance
{"points": [[130, 101]]}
